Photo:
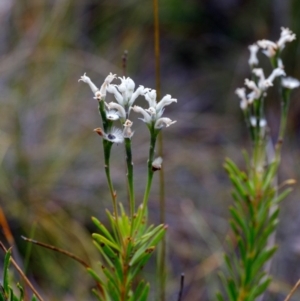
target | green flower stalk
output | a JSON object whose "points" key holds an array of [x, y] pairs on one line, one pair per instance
{"points": [[256, 193], [130, 243]]}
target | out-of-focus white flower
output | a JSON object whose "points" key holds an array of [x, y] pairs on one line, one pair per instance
{"points": [[286, 36], [253, 60], [127, 132], [270, 47], [155, 111], [124, 93], [115, 135], [290, 82], [258, 89], [241, 93], [262, 122], [280, 63], [156, 164], [275, 73]]}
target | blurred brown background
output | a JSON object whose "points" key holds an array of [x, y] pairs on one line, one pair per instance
{"points": [[51, 166]]}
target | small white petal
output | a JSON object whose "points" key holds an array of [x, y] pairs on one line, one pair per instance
{"points": [[115, 135], [113, 90], [127, 133], [253, 121], [112, 115], [165, 101], [260, 74], [275, 73], [290, 82], [156, 164], [150, 96], [119, 108], [134, 96], [263, 123], [88, 81], [161, 122], [253, 60], [147, 117], [286, 36]]}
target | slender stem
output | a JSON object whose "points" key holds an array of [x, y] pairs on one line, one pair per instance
{"points": [[130, 176], [161, 254], [107, 148], [150, 171], [289, 296]]}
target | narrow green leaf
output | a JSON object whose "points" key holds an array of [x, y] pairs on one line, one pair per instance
{"points": [[260, 289], [21, 292], [269, 175], [5, 271], [94, 275], [96, 293], [102, 228], [220, 297], [139, 266], [144, 293], [139, 290], [140, 254], [283, 195], [238, 219], [261, 259], [101, 239], [111, 279], [107, 259], [115, 295]]}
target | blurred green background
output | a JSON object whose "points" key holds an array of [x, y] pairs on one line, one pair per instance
{"points": [[51, 166]]}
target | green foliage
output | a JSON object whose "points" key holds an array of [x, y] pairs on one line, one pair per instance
{"points": [[7, 292]]}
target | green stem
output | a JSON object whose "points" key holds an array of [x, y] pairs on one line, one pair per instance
{"points": [[285, 102], [130, 176], [107, 149], [153, 137]]}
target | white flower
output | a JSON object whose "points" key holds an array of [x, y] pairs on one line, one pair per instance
{"points": [[88, 81], [164, 121], [290, 82], [120, 110], [241, 93], [127, 133], [256, 92], [258, 89], [253, 60], [99, 94], [147, 117], [286, 36], [156, 164], [275, 73], [262, 122], [112, 115], [270, 48], [115, 135], [155, 111], [124, 93], [105, 84]]}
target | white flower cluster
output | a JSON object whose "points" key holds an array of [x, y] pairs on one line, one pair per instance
{"points": [[259, 86], [125, 96]]}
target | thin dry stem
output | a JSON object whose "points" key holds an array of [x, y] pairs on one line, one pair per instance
{"points": [[291, 293]]}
